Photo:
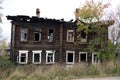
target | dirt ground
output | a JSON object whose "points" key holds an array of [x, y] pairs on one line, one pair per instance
{"points": [[108, 78]]}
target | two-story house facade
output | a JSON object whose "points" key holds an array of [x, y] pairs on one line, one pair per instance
{"points": [[48, 41]]}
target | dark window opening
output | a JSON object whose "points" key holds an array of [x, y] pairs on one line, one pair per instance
{"points": [[70, 57], [96, 60], [50, 57], [37, 36], [82, 57], [83, 34], [23, 57], [51, 35], [36, 57]]}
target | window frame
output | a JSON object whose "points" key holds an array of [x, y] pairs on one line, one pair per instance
{"points": [[71, 40], [36, 52], [23, 52], [84, 40], [47, 52], [37, 30], [50, 36], [69, 52], [95, 62], [83, 53], [22, 33]]}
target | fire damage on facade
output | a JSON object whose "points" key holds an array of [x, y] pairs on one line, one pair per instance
{"points": [[49, 41]]}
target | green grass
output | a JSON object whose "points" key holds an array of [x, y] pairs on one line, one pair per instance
{"points": [[59, 72]]}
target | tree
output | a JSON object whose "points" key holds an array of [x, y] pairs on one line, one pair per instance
{"points": [[89, 18]]}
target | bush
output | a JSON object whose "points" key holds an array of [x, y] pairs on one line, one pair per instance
{"points": [[5, 62]]}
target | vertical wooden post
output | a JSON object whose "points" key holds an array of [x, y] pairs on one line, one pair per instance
{"points": [[61, 42]]}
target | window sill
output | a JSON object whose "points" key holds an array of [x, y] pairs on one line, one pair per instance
{"points": [[70, 63], [22, 63], [49, 62], [36, 62]]}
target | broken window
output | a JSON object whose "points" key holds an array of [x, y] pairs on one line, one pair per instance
{"points": [[51, 35], [70, 57], [83, 57], [50, 57], [95, 58], [24, 32], [23, 57], [37, 57], [83, 36], [70, 35], [37, 34]]}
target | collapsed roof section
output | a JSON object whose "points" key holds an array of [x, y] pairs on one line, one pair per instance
{"points": [[35, 19]]}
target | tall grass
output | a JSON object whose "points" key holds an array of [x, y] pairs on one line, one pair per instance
{"points": [[59, 72]]}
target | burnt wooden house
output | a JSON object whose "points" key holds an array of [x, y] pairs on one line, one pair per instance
{"points": [[48, 41]]}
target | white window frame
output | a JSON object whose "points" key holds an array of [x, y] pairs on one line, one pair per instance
{"points": [[83, 53], [71, 40], [22, 32], [37, 52], [23, 52], [69, 52], [47, 52], [94, 62]]}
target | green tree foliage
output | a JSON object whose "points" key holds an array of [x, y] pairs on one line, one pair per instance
{"points": [[88, 20]]}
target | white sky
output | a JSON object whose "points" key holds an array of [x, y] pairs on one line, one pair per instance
{"points": [[57, 9]]}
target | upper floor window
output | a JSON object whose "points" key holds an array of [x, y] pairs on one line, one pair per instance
{"points": [[24, 32], [70, 35], [37, 34], [51, 35], [83, 36]]}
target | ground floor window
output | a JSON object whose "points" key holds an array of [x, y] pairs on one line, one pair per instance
{"points": [[82, 56], [50, 56], [23, 57], [70, 56], [95, 58], [37, 57]]}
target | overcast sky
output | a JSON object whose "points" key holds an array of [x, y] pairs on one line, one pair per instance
{"points": [[57, 9]]}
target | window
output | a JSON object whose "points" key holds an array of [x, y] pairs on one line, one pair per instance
{"points": [[51, 35], [23, 57], [50, 56], [70, 55], [83, 36], [37, 34], [82, 56], [37, 57], [95, 58], [24, 32], [70, 36]]}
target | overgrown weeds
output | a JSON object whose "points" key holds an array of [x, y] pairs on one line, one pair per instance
{"points": [[59, 72]]}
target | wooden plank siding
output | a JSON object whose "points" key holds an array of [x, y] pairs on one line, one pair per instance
{"points": [[60, 44]]}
